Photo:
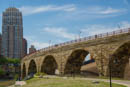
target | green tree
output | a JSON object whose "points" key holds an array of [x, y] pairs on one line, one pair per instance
{"points": [[3, 60], [13, 61]]}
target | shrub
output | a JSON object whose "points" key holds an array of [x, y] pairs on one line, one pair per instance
{"points": [[2, 72], [16, 77], [40, 74]]}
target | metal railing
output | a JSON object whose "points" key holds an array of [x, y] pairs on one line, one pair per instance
{"points": [[103, 35]]}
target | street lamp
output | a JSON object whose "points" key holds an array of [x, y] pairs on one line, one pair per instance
{"points": [[79, 34], [119, 26], [110, 70]]}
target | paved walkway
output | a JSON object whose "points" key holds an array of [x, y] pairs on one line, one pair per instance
{"points": [[123, 82]]}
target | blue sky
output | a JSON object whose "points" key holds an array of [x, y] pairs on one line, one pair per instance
{"points": [[63, 20]]}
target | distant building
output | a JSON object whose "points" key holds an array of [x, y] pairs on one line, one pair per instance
{"points": [[24, 47], [12, 33], [32, 49]]}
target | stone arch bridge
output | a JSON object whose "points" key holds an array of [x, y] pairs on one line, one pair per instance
{"points": [[108, 48]]}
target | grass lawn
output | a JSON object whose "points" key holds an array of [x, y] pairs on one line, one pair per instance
{"points": [[69, 82], [6, 83]]}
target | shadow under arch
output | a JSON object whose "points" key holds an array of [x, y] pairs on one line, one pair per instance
{"points": [[24, 71], [119, 60], [49, 65], [32, 67], [75, 61]]}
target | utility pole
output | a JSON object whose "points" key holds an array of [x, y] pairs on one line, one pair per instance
{"points": [[79, 34], [119, 26]]}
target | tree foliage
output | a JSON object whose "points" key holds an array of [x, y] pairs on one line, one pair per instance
{"points": [[5, 60], [13, 61]]}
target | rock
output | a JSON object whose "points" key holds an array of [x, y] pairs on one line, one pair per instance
{"points": [[64, 77], [57, 72], [95, 82], [20, 83]]}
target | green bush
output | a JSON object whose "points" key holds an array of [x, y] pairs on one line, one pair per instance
{"points": [[16, 77], [40, 74], [2, 72]]}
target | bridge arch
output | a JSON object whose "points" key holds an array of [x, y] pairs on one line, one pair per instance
{"points": [[120, 61], [32, 67], [75, 61], [49, 65]]}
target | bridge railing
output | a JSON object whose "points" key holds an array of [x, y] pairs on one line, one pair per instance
{"points": [[117, 32]]}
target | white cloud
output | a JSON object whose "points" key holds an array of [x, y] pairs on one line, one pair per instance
{"points": [[93, 12], [94, 29], [63, 33], [73, 12], [70, 9], [27, 10], [104, 10], [97, 29], [40, 45], [125, 24], [111, 11], [32, 40], [60, 32]]}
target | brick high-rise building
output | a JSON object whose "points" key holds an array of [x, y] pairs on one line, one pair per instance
{"points": [[32, 49], [24, 47], [12, 33]]}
